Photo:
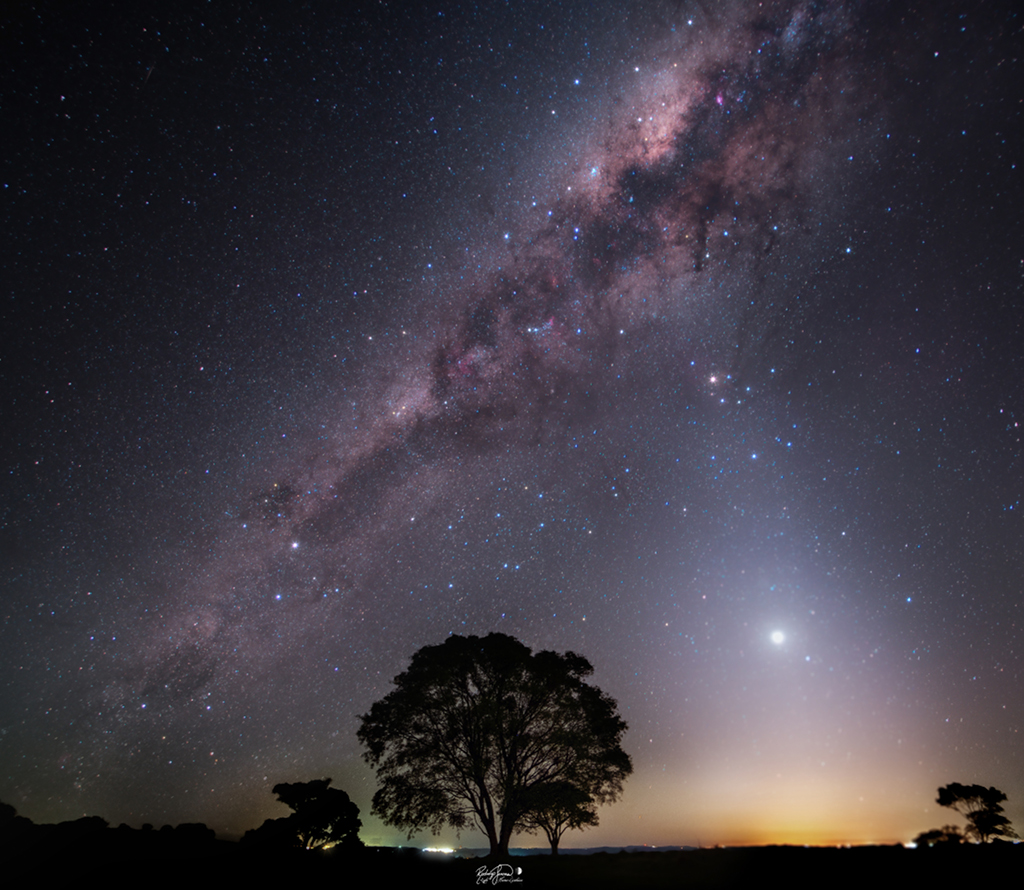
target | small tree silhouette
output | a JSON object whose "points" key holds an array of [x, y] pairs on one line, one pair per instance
{"points": [[980, 806], [557, 807], [948, 834]]}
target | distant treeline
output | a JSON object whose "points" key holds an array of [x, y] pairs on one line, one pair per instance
{"points": [[19, 836], [167, 856]]}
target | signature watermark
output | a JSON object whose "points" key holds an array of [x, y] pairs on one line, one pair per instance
{"points": [[499, 874]]}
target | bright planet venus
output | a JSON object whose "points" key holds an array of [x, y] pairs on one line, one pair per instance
{"points": [[686, 336]]}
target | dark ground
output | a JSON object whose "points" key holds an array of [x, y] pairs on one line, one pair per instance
{"points": [[223, 862]]}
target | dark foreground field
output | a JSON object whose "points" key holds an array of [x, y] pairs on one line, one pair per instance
{"points": [[224, 863]]}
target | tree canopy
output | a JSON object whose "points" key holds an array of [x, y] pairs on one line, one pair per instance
{"points": [[558, 806], [322, 817], [982, 809], [481, 731]]}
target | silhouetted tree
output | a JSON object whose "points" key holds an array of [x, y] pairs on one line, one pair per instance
{"points": [[557, 807], [477, 729], [948, 834], [323, 817], [980, 806]]}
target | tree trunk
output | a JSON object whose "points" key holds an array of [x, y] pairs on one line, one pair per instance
{"points": [[553, 836], [501, 848], [485, 815], [492, 839]]}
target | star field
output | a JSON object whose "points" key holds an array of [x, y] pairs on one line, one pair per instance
{"points": [[683, 337]]}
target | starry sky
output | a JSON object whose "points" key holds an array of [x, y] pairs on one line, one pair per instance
{"points": [[686, 336]]}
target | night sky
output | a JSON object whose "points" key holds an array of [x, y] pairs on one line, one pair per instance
{"points": [[686, 336]]}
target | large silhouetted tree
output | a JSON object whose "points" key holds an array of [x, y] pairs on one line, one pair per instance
{"points": [[322, 816], [481, 731], [982, 809]]}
